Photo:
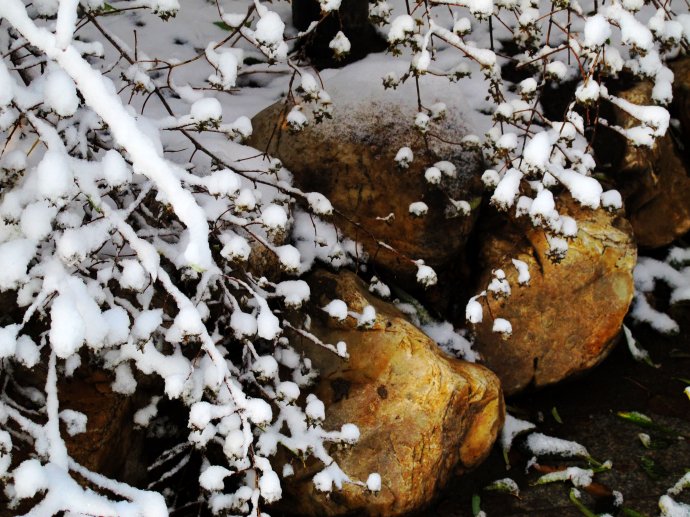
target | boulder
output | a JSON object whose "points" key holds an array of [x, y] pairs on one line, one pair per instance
{"points": [[420, 413], [681, 95], [351, 160], [111, 445], [565, 320], [352, 18], [654, 183]]}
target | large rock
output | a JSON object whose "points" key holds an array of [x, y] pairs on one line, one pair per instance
{"points": [[350, 159], [565, 320], [420, 413], [352, 18], [655, 183], [681, 95]]}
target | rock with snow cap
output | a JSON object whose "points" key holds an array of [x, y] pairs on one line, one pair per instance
{"points": [[370, 161], [654, 183], [420, 414], [565, 320]]}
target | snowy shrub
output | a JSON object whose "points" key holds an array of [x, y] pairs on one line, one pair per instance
{"points": [[130, 211]]}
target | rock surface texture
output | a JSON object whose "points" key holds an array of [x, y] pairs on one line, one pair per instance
{"points": [[351, 160], [420, 414], [655, 183], [566, 319]]}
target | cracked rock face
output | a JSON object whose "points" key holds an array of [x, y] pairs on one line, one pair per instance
{"points": [[565, 321], [420, 413]]}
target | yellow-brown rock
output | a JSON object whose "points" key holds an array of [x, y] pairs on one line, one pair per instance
{"points": [[654, 183], [350, 159], [420, 413], [565, 320]]}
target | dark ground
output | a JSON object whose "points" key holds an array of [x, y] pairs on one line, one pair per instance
{"points": [[588, 408]]}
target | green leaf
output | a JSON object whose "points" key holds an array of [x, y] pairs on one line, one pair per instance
{"points": [[635, 417], [505, 486], [628, 512], [583, 509], [652, 469], [653, 443], [476, 505], [556, 416], [223, 26], [642, 420]]}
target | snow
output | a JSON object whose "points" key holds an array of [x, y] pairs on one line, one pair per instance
{"points": [[670, 508], [538, 150], [133, 275], [315, 410], [5, 452], [612, 200], [367, 318], [236, 249], [29, 479], [523, 271], [374, 482], [8, 340], [349, 433], [226, 63], [269, 486], [269, 29], [213, 476], [418, 208], [585, 189], [340, 44], [15, 256], [588, 92], [289, 257], [6, 86], [502, 326], [54, 177], [401, 27], [115, 170], [67, 328], [146, 323], [426, 276], [75, 421], [433, 175], [336, 309], [319, 203], [507, 189], [222, 183], [404, 157], [542, 445], [597, 31], [511, 429], [557, 69], [579, 477], [296, 119], [27, 352], [447, 168], [243, 324], [474, 313], [274, 217], [207, 109], [61, 93], [294, 292]]}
